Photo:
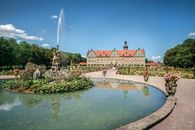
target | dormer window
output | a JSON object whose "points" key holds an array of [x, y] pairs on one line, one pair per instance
{"points": [[114, 53]]}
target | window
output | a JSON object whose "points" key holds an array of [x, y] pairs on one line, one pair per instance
{"points": [[139, 53], [114, 53]]}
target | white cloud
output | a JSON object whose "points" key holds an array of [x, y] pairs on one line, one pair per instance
{"points": [[191, 34], [54, 16], [45, 45], [156, 58], [84, 56], [8, 30]]}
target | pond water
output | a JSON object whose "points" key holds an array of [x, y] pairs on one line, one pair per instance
{"points": [[108, 105]]}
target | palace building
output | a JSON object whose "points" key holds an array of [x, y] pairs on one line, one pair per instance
{"points": [[115, 57]]}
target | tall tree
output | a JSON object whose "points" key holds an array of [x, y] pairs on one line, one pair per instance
{"points": [[13, 53], [182, 55]]}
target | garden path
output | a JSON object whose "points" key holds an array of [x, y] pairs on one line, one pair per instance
{"points": [[183, 115]]}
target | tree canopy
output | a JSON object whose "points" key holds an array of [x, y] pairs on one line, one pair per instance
{"points": [[68, 58], [13, 53], [182, 55]]}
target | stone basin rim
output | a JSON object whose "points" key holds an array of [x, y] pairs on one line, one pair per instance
{"points": [[150, 120]]}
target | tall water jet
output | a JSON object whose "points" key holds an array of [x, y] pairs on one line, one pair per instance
{"points": [[59, 27], [56, 73], [56, 55]]}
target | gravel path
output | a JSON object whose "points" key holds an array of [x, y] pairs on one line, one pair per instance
{"points": [[7, 77], [183, 115]]}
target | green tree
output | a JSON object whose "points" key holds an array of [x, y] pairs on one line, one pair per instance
{"points": [[146, 60], [183, 55], [7, 51], [13, 53], [71, 58]]}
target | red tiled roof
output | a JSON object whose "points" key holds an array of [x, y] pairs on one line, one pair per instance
{"points": [[123, 53], [103, 52], [126, 52], [83, 63], [153, 64]]}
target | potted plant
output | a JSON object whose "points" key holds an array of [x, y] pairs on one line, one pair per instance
{"points": [[146, 75], [104, 73], [171, 84]]}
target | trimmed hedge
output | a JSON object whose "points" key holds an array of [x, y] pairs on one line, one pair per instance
{"points": [[157, 71]]}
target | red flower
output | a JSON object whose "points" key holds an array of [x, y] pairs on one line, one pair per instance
{"points": [[171, 77]]}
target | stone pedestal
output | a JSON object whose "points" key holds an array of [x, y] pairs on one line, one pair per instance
{"points": [[56, 61], [55, 74]]}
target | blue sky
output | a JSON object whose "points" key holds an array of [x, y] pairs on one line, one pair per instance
{"points": [[101, 24]]}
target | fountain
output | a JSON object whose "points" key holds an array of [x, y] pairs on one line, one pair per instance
{"points": [[35, 79], [56, 73], [56, 54], [59, 28]]}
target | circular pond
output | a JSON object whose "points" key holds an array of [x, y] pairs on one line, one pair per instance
{"points": [[108, 105]]}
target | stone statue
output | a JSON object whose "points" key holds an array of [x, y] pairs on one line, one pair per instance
{"points": [[37, 74], [55, 73], [56, 61]]}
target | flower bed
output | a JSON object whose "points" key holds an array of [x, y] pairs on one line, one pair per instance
{"points": [[42, 86]]}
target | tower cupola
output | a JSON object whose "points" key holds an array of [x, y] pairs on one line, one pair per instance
{"points": [[125, 47]]}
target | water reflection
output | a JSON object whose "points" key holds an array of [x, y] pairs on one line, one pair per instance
{"points": [[145, 91], [55, 108], [125, 93], [30, 101], [10, 100], [9, 106], [125, 86]]}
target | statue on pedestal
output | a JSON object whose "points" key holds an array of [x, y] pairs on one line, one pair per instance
{"points": [[56, 61]]}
